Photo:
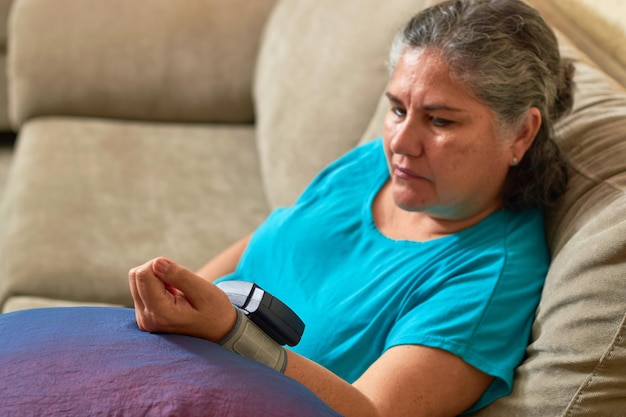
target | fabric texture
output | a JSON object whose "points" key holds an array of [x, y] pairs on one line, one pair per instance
{"points": [[182, 61], [473, 293], [95, 362]]}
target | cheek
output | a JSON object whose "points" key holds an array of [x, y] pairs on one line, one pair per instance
{"points": [[470, 158], [449, 152]]}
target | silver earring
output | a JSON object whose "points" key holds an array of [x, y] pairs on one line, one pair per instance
{"points": [[515, 162]]}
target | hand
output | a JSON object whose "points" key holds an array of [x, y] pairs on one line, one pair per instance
{"points": [[171, 299]]}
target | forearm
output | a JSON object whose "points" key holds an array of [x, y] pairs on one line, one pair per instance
{"points": [[334, 391], [224, 263]]}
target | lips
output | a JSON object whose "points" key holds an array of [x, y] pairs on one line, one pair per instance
{"points": [[405, 173]]}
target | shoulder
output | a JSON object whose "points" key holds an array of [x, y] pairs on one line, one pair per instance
{"points": [[503, 240], [528, 220], [508, 229], [525, 237]]}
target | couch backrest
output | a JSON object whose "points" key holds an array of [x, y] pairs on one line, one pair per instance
{"points": [[161, 60], [320, 74]]}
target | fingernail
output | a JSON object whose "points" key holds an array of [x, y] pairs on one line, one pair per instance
{"points": [[161, 265]]}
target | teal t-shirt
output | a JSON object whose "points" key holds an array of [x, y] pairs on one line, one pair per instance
{"points": [[472, 293]]}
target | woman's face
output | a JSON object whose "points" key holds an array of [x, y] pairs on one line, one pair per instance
{"points": [[445, 153]]}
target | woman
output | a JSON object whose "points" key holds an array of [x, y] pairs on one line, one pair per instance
{"points": [[417, 261]]}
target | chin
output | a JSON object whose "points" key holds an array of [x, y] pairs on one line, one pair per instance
{"points": [[410, 205], [408, 201]]}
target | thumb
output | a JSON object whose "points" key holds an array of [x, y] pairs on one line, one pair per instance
{"points": [[181, 278]]}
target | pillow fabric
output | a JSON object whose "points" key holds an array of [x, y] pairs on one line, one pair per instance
{"points": [[94, 361]]}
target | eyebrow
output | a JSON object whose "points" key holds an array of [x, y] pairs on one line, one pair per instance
{"points": [[429, 107]]}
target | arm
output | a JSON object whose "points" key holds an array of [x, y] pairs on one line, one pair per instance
{"points": [[224, 263], [405, 381]]}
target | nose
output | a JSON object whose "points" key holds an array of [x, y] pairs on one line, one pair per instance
{"points": [[406, 138]]}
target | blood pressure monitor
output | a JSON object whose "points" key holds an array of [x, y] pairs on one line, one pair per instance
{"points": [[270, 314]]}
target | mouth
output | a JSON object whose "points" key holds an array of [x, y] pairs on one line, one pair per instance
{"points": [[406, 174]]}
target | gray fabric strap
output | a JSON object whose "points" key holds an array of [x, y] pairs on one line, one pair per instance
{"points": [[246, 339]]}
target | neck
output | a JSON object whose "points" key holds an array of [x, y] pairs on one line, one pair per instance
{"points": [[400, 224]]}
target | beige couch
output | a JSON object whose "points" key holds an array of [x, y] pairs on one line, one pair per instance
{"points": [[173, 127], [5, 9]]}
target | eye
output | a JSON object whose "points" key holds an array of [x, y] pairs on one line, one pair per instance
{"points": [[439, 122], [398, 112]]}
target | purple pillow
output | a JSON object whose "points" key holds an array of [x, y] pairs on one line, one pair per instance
{"points": [[88, 361]]}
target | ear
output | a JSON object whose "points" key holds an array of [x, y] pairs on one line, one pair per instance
{"points": [[526, 135]]}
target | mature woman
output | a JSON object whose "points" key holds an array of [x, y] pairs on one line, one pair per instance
{"points": [[416, 261]]}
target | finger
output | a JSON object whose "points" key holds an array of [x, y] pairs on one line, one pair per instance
{"points": [[174, 275], [150, 289], [174, 291], [140, 309], [214, 315], [132, 283]]}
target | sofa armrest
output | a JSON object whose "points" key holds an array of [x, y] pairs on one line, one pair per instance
{"points": [[158, 60]]}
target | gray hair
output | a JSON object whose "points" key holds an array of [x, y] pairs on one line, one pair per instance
{"points": [[505, 53]]}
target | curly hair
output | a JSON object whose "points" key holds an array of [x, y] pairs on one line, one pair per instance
{"points": [[507, 55]]}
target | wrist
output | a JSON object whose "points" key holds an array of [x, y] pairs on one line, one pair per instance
{"points": [[246, 339], [215, 330]]}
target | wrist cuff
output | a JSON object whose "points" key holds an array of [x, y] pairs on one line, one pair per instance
{"points": [[246, 339]]}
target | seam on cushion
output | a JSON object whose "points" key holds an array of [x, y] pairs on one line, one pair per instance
{"points": [[615, 186], [619, 338], [597, 181]]}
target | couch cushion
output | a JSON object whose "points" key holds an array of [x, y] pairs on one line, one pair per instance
{"points": [[24, 302], [320, 72], [576, 364], [88, 199], [179, 61]]}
